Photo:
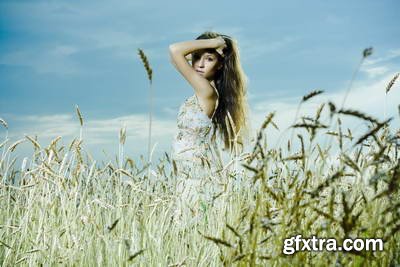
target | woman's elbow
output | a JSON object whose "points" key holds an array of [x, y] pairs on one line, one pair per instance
{"points": [[171, 51], [172, 48], [171, 54]]}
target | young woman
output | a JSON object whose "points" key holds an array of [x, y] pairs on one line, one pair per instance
{"points": [[219, 98]]}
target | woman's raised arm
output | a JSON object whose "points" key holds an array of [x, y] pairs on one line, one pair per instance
{"points": [[187, 47], [178, 51]]}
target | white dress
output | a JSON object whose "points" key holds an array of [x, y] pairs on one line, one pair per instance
{"points": [[191, 147], [192, 153]]}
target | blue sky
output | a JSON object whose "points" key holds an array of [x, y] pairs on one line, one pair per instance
{"points": [[58, 54]]}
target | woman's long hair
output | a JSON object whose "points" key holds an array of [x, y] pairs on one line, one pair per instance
{"points": [[231, 84]]}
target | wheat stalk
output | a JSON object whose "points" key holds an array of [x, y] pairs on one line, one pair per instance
{"points": [[34, 142], [391, 83], [78, 112], [304, 99], [146, 64], [358, 114], [150, 77], [366, 53], [14, 145], [311, 95], [4, 123]]}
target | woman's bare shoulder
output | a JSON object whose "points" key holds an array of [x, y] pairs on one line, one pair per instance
{"points": [[208, 103]]}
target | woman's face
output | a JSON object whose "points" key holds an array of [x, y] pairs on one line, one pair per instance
{"points": [[206, 64]]}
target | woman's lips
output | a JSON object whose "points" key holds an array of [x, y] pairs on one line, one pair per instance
{"points": [[199, 71]]}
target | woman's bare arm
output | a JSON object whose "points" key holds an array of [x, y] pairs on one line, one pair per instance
{"points": [[187, 47], [178, 52]]}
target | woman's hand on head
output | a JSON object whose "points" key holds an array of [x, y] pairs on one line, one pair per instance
{"points": [[220, 44]]}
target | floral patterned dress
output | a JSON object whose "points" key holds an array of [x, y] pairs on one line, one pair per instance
{"points": [[191, 145]]}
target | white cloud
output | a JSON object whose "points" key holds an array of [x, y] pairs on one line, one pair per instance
{"points": [[367, 96], [373, 72], [100, 136], [374, 67], [390, 55], [98, 131], [170, 111], [43, 119]]}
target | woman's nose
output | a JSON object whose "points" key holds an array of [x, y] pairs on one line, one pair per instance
{"points": [[201, 62]]}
